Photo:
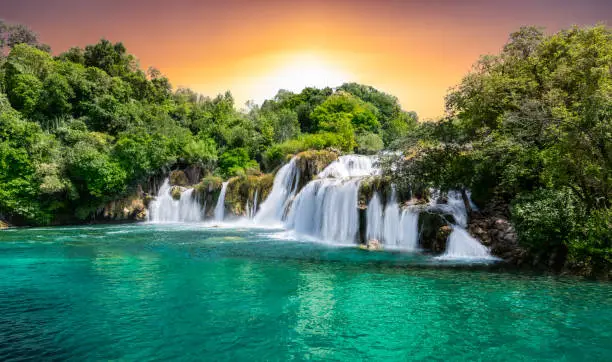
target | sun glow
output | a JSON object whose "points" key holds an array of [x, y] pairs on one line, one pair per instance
{"points": [[291, 72]]}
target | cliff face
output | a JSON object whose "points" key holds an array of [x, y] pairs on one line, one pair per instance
{"points": [[311, 163], [242, 190]]}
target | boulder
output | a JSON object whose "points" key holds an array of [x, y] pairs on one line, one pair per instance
{"points": [[176, 192], [178, 178], [4, 224], [434, 228], [131, 208], [372, 245]]}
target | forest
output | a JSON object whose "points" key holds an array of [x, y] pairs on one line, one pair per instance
{"points": [[528, 131]]}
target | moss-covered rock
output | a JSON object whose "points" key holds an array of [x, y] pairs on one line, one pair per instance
{"points": [[176, 192], [311, 162], [372, 184], [207, 192], [241, 190], [131, 208], [434, 229], [178, 178]]}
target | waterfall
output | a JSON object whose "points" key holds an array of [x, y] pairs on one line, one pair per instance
{"points": [[166, 209], [283, 189], [350, 166], [394, 228], [374, 216], [251, 209], [409, 226], [391, 223], [254, 210], [220, 207], [461, 245], [327, 210]]}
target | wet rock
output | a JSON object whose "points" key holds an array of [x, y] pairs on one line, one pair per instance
{"points": [[178, 178], [372, 245], [131, 208], [434, 230], [176, 192]]}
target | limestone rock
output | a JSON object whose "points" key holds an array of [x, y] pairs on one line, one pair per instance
{"points": [[372, 245], [176, 192], [178, 178]]}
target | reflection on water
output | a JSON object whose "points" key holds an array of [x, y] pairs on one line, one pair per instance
{"points": [[141, 292]]}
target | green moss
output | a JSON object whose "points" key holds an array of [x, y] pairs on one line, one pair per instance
{"points": [[311, 162], [178, 178], [176, 192], [372, 184], [242, 189]]}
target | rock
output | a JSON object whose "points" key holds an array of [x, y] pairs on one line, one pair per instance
{"points": [[4, 225], [495, 231], [147, 200], [127, 209], [178, 178], [142, 215], [372, 245], [176, 192], [312, 162], [433, 231]]}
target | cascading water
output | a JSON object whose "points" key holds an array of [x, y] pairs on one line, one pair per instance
{"points": [[391, 234], [396, 229], [327, 208], [254, 210], [350, 166], [409, 226], [166, 209], [220, 207], [374, 217], [283, 189], [460, 244]]}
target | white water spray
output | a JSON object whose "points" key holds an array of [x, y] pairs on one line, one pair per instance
{"points": [[166, 209], [285, 185], [220, 207]]}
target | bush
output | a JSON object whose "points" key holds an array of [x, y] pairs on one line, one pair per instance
{"points": [[545, 219], [369, 143], [590, 247], [277, 154]]}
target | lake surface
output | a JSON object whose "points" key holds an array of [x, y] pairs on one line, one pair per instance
{"points": [[186, 292]]}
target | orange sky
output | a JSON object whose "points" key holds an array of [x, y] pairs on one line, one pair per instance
{"points": [[413, 49]]}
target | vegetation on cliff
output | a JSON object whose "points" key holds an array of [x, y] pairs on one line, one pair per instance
{"points": [[531, 129], [85, 127]]}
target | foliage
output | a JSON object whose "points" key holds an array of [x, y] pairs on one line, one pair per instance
{"points": [[531, 126], [369, 143]]}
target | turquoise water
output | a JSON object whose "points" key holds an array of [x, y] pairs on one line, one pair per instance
{"points": [[145, 292]]}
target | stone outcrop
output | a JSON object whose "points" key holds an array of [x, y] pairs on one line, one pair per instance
{"points": [[492, 227], [434, 229], [311, 163], [242, 189], [132, 208], [179, 178], [372, 245]]}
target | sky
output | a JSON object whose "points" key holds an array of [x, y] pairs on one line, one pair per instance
{"points": [[413, 49]]}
